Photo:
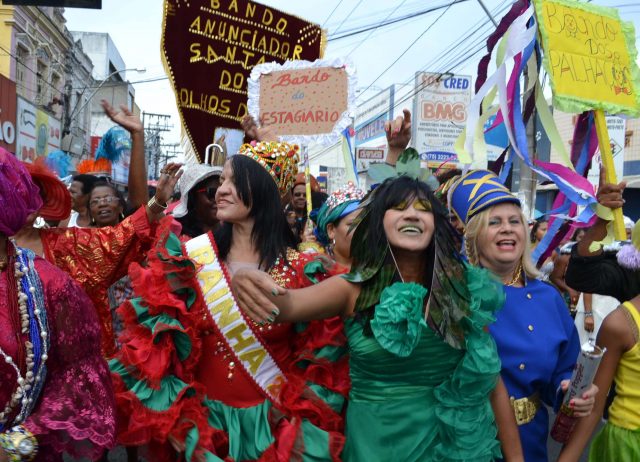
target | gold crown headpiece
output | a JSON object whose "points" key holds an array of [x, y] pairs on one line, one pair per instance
{"points": [[279, 159]]}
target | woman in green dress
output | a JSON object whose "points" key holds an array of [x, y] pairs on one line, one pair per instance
{"points": [[424, 370]]}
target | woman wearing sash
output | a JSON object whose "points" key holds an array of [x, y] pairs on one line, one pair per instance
{"points": [[424, 373], [536, 337], [197, 377], [55, 391]]}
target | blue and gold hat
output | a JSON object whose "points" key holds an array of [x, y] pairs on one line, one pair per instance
{"points": [[476, 191]]}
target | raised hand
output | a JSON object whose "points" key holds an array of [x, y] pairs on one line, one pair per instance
{"points": [[262, 133], [610, 195], [398, 131], [169, 176], [125, 118]]}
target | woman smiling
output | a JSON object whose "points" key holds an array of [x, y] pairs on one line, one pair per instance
{"points": [[424, 373], [537, 340]]}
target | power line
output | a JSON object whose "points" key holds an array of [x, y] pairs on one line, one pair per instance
{"points": [[413, 43], [378, 27], [347, 16], [389, 22], [30, 70], [499, 10], [331, 14]]}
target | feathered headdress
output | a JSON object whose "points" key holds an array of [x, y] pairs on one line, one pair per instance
{"points": [[59, 162], [94, 167], [115, 142]]}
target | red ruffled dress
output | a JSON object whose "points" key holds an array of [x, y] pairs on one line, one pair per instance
{"points": [[177, 386], [75, 411], [98, 257]]}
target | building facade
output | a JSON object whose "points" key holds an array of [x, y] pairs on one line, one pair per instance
{"points": [[39, 55]]}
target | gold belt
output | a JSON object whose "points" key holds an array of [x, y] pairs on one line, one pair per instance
{"points": [[525, 409]]}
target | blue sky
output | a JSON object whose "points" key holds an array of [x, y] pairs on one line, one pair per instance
{"points": [[135, 27]]}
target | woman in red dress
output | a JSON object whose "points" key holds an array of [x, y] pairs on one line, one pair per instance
{"points": [[197, 377], [55, 391]]}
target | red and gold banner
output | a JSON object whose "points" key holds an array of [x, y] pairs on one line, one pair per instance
{"points": [[209, 48]]}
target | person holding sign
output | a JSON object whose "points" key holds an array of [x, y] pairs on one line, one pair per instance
{"points": [[536, 337], [591, 269], [197, 377], [424, 373]]}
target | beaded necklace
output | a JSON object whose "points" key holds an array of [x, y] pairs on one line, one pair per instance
{"points": [[33, 324]]}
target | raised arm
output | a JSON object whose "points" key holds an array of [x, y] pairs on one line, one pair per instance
{"points": [[137, 182], [398, 133], [265, 301]]}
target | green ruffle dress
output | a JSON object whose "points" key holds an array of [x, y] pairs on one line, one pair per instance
{"points": [[414, 397]]}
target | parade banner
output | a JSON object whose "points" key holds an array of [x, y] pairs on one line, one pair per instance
{"points": [[209, 48], [440, 115], [7, 114], [590, 56], [304, 101]]}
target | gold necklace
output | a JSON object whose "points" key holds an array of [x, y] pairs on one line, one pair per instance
{"points": [[516, 277]]}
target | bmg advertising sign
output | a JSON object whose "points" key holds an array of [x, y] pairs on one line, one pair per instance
{"points": [[441, 110]]}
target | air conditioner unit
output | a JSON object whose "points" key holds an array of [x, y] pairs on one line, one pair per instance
{"points": [[72, 144]]}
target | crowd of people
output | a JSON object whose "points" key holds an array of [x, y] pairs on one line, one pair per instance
{"points": [[219, 320]]}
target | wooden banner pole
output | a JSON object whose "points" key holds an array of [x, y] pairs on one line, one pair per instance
{"points": [[607, 162]]}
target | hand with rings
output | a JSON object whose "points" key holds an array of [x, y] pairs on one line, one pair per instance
{"points": [[169, 176]]}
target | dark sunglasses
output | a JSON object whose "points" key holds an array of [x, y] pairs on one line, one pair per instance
{"points": [[210, 192]]}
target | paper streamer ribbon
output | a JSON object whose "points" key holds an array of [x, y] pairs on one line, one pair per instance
{"points": [[520, 51]]}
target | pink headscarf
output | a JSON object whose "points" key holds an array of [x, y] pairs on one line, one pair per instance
{"points": [[19, 196]]}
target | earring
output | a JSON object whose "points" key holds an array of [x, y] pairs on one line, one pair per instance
{"points": [[333, 242], [121, 216]]}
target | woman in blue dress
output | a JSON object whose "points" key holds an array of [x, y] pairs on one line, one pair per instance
{"points": [[537, 340]]}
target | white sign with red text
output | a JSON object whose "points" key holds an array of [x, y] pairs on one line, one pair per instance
{"points": [[303, 101]]}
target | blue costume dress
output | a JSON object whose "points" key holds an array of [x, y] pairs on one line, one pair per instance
{"points": [[538, 345]]}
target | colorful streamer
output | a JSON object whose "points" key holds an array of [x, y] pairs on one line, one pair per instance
{"points": [[516, 37]]}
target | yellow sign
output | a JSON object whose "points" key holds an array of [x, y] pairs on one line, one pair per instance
{"points": [[590, 55]]}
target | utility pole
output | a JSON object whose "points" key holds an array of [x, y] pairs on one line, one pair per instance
{"points": [[524, 180], [170, 151], [154, 125]]}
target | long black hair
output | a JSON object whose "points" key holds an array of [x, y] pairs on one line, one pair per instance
{"points": [[271, 234], [192, 226], [373, 265]]}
